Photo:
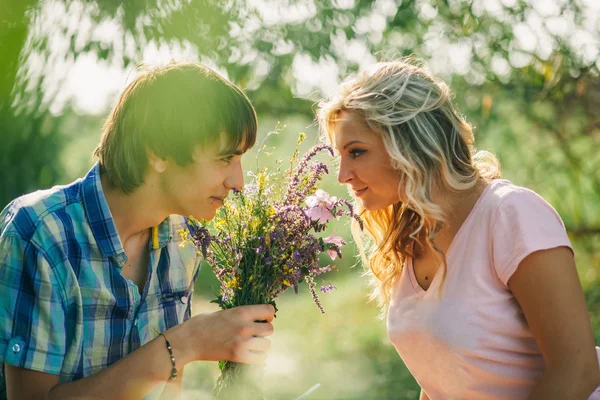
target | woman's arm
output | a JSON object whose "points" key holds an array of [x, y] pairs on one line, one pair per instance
{"points": [[423, 395], [548, 290]]}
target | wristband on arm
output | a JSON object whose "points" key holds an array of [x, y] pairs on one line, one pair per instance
{"points": [[173, 366]]}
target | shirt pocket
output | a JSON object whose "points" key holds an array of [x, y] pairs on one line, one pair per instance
{"points": [[175, 306]]}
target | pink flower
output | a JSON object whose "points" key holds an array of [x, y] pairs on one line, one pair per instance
{"points": [[338, 241], [320, 205]]}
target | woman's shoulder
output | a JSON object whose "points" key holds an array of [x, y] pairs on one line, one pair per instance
{"points": [[507, 201], [503, 194]]}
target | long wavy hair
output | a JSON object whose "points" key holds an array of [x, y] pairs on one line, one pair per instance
{"points": [[431, 147]]}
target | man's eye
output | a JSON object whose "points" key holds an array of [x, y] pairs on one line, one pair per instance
{"points": [[355, 153]]}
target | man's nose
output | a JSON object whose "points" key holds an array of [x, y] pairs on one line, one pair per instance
{"points": [[236, 178]]}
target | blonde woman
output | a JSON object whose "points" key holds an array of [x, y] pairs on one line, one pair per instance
{"points": [[476, 274]]}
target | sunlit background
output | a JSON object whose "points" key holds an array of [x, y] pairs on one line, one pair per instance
{"points": [[525, 73]]}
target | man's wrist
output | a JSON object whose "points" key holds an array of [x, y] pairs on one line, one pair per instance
{"points": [[179, 339]]}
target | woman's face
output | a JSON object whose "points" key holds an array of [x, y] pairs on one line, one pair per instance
{"points": [[365, 163]]}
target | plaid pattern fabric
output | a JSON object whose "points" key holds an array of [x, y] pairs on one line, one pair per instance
{"points": [[65, 308]]}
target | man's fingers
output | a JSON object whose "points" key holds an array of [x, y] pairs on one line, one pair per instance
{"points": [[262, 329], [258, 344], [250, 357], [259, 312]]}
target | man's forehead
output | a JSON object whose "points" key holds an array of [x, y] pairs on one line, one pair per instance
{"points": [[227, 145]]}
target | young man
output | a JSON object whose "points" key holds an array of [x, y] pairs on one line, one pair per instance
{"points": [[92, 271]]}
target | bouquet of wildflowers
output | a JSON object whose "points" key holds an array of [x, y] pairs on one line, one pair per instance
{"points": [[265, 240]]}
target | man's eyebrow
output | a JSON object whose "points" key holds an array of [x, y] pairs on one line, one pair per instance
{"points": [[231, 153], [352, 142]]}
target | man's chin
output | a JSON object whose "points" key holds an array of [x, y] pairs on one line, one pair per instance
{"points": [[205, 215]]}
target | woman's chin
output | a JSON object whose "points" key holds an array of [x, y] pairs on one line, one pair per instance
{"points": [[369, 206], [373, 206]]}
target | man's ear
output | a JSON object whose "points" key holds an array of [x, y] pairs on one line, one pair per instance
{"points": [[158, 164]]}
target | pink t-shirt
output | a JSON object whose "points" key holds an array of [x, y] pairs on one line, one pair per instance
{"points": [[474, 342]]}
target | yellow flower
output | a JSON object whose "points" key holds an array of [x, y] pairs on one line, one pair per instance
{"points": [[286, 282], [185, 233], [233, 284], [262, 179], [218, 225]]}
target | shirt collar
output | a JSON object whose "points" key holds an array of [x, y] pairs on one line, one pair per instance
{"points": [[102, 223], [161, 234], [98, 214]]}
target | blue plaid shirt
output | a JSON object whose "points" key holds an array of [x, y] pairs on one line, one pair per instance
{"points": [[65, 308]]}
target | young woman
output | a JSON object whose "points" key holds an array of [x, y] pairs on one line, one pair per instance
{"points": [[476, 274]]}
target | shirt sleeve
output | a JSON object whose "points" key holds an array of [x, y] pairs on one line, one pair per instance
{"points": [[523, 224], [32, 309]]}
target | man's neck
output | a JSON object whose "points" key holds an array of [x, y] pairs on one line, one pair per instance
{"points": [[134, 213]]}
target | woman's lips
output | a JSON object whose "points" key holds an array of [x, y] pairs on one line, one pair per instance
{"points": [[360, 192]]}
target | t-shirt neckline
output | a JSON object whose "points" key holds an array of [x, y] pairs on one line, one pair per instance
{"points": [[459, 233]]}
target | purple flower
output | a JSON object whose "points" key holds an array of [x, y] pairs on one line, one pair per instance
{"points": [[327, 288], [297, 256], [293, 194]]}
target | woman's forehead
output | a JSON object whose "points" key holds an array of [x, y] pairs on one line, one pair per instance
{"points": [[349, 126]]}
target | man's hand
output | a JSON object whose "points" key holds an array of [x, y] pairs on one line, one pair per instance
{"points": [[234, 335]]}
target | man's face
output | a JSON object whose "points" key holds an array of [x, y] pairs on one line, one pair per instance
{"points": [[198, 189]]}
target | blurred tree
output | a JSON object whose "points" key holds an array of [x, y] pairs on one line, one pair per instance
{"points": [[507, 60], [28, 150]]}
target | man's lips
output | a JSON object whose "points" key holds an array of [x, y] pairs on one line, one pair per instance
{"points": [[219, 199]]}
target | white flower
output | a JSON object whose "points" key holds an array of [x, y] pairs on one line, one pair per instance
{"points": [[320, 205], [337, 240]]}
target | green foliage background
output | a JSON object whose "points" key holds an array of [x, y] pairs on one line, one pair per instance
{"points": [[536, 107]]}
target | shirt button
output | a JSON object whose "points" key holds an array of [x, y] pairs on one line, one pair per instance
{"points": [[184, 299], [16, 348], [135, 322]]}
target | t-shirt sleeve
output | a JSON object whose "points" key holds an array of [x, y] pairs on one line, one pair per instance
{"points": [[524, 223], [32, 311]]}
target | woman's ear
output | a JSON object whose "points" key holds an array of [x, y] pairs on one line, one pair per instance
{"points": [[158, 164]]}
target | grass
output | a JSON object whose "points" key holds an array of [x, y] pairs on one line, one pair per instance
{"points": [[345, 350]]}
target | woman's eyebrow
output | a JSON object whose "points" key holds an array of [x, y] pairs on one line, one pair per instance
{"points": [[352, 142]]}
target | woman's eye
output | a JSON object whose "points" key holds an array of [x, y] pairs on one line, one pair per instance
{"points": [[355, 153], [227, 159]]}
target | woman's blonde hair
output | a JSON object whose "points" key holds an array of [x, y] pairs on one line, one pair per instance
{"points": [[429, 144]]}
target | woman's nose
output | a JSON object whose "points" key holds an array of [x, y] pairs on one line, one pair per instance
{"points": [[345, 174]]}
